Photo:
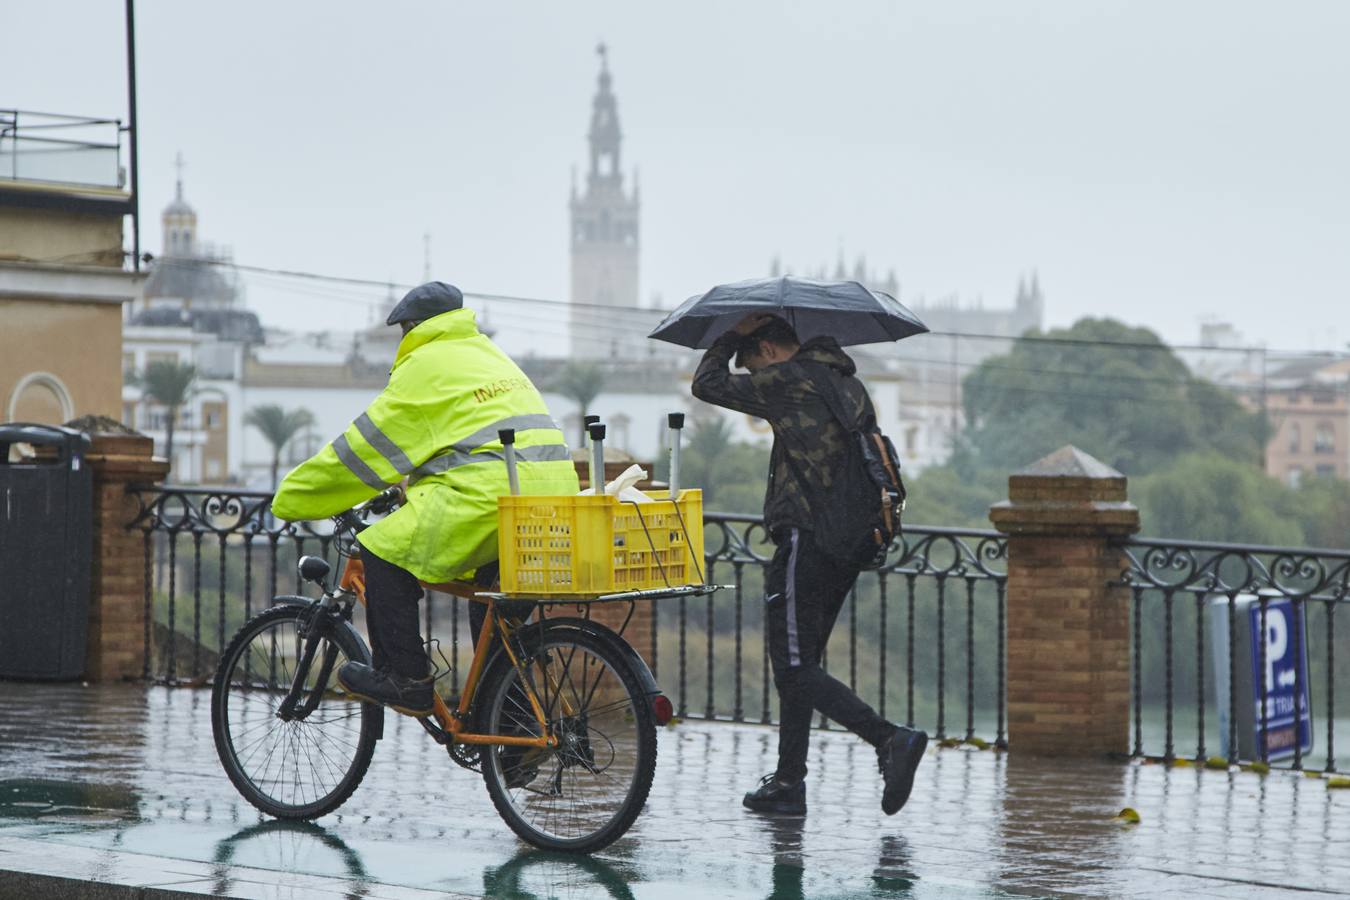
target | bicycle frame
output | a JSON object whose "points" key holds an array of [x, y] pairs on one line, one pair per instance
{"points": [[452, 728]]}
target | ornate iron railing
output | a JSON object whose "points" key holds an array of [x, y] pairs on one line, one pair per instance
{"points": [[1173, 585], [214, 557]]}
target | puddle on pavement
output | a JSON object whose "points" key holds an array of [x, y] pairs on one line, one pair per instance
{"points": [[69, 801], [110, 821]]}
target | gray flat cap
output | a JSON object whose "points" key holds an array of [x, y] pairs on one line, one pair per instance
{"points": [[425, 301]]}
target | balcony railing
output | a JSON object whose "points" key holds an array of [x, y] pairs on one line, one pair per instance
{"points": [[921, 640], [60, 149], [1230, 639]]}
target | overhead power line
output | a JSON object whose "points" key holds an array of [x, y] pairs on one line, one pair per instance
{"points": [[611, 309]]}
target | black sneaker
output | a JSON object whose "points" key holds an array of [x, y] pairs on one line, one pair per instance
{"points": [[898, 759], [410, 696], [774, 796]]}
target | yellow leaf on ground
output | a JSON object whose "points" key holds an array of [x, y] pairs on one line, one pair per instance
{"points": [[1259, 768], [1127, 816], [1216, 762], [1339, 781], [1182, 763]]}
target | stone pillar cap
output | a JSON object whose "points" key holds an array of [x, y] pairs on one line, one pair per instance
{"points": [[1068, 461], [120, 453], [1067, 492]]}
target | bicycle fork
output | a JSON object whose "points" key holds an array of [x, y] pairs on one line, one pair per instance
{"points": [[311, 633]]}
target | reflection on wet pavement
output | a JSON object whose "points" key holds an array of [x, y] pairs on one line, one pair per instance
{"points": [[122, 784]]}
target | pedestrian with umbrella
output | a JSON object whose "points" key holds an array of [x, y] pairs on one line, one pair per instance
{"points": [[787, 333]]}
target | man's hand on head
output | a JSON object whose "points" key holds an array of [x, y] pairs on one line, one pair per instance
{"points": [[751, 322]]}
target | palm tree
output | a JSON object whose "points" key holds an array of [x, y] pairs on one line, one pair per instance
{"points": [[581, 382], [170, 384], [278, 426]]}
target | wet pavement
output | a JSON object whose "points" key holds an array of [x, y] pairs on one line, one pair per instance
{"points": [[121, 786]]}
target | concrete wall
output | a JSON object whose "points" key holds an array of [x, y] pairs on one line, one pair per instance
{"points": [[59, 359], [61, 293], [44, 235]]}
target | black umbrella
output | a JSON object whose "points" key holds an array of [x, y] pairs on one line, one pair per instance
{"points": [[844, 310]]}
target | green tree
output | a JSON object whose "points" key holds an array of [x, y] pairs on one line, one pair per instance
{"points": [[1324, 509], [278, 426], [581, 383], [1210, 497], [169, 384], [1115, 391]]}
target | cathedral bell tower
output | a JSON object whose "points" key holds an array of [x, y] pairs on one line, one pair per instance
{"points": [[605, 241]]}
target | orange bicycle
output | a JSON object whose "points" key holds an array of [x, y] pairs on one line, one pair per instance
{"points": [[559, 713]]}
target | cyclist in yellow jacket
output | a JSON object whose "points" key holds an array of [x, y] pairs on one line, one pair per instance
{"points": [[436, 422]]}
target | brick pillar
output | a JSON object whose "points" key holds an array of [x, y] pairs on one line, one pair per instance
{"points": [[116, 649], [639, 630], [1068, 625]]}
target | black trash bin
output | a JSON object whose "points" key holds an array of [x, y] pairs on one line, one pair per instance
{"points": [[46, 540]]}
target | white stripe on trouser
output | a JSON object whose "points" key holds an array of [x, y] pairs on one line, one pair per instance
{"points": [[794, 649]]}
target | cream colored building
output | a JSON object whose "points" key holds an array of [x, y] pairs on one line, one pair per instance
{"points": [[62, 283], [1308, 405]]}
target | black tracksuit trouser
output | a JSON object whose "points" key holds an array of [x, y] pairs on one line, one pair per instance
{"points": [[804, 592]]}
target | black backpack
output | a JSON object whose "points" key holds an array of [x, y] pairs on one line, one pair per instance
{"points": [[859, 517]]}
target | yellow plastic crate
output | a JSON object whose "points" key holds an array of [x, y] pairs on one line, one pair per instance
{"points": [[585, 546]]}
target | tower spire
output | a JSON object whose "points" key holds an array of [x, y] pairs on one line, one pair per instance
{"points": [[605, 232], [605, 136]]}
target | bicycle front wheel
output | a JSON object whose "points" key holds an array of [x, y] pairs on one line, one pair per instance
{"points": [[308, 765], [585, 793]]}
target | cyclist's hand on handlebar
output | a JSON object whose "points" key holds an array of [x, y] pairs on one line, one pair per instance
{"points": [[385, 501]]}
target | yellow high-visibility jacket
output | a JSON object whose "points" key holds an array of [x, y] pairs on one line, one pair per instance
{"points": [[436, 423]]}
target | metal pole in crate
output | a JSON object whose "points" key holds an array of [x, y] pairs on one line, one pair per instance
{"points": [[586, 424], [676, 422], [508, 439], [597, 432]]}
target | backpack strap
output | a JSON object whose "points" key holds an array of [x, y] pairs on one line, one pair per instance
{"points": [[822, 379]]}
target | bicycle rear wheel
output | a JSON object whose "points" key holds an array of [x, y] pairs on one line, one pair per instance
{"points": [[308, 766], [585, 793]]}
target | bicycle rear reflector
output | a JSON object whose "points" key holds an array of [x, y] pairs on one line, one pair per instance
{"points": [[662, 709]]}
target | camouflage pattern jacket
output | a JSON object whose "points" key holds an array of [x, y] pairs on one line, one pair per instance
{"points": [[808, 443]]}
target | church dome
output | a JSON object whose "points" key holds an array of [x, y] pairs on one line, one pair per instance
{"points": [[179, 206]]}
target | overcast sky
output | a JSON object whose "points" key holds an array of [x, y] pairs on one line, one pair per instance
{"points": [[1157, 161]]}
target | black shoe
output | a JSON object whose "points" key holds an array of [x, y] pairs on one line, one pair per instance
{"points": [[898, 759], [410, 696], [774, 796]]}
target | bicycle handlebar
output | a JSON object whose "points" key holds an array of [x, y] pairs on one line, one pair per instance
{"points": [[353, 520]]}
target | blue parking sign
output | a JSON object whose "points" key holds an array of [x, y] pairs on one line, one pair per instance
{"points": [[1288, 717]]}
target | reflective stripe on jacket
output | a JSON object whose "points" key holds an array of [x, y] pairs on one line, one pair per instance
{"points": [[450, 391]]}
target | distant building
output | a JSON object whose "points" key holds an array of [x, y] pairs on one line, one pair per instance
{"points": [[1307, 402], [605, 320], [193, 284], [191, 313], [62, 283]]}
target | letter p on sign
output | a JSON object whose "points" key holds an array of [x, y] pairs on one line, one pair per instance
{"points": [[1277, 643]]}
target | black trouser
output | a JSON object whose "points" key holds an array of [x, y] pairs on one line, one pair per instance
{"points": [[804, 591], [392, 594]]}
